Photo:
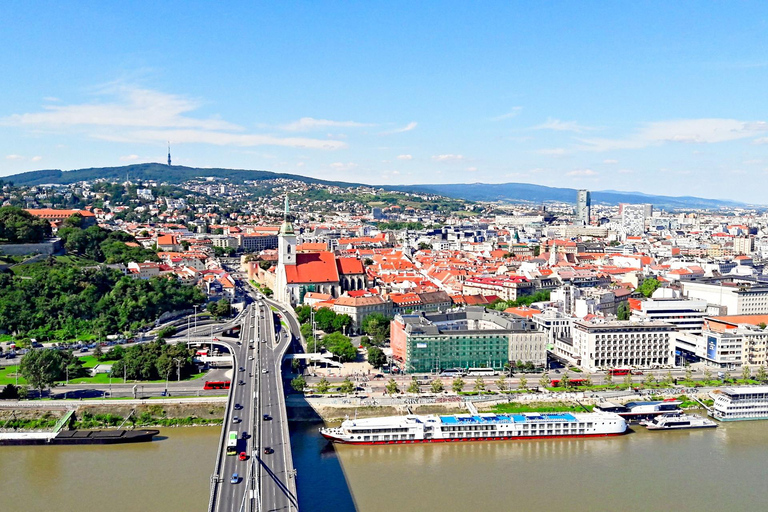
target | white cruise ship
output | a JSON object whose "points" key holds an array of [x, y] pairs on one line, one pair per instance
{"points": [[743, 403], [474, 427]]}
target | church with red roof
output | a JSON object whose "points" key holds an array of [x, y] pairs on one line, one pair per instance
{"points": [[320, 271]]}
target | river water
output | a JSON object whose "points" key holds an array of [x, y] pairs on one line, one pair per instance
{"points": [[720, 469]]}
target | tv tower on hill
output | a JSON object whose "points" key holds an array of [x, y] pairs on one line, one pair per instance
{"points": [[169, 153]]}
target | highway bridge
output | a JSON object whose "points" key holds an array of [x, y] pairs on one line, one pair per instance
{"points": [[256, 414]]}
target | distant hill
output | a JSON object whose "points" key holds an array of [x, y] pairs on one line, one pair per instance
{"points": [[508, 192], [174, 174], [524, 192]]}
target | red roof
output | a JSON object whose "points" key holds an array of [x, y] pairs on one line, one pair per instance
{"points": [[350, 266], [313, 267]]}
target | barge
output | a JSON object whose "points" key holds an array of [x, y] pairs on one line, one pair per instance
{"points": [[77, 437]]}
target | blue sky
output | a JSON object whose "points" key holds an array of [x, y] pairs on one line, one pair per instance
{"points": [[656, 97]]}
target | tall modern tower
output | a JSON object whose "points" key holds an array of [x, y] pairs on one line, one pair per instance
{"points": [[583, 207], [169, 154]]}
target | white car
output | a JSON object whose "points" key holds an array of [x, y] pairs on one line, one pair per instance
{"points": [[250, 358], [264, 370]]}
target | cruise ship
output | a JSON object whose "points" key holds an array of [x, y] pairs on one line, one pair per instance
{"points": [[743, 403], [637, 411], [474, 427]]}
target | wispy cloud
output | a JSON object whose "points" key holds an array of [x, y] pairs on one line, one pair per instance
{"points": [[512, 113], [552, 151], [410, 126], [129, 158], [405, 157], [306, 124], [14, 157], [610, 161], [472, 169], [137, 115], [562, 126], [697, 131], [341, 166], [447, 158], [36, 158], [219, 139], [582, 173], [761, 140]]}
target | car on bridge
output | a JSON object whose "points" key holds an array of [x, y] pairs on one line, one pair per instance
{"points": [[236, 420], [238, 407], [268, 450], [243, 456], [235, 479], [267, 417]]}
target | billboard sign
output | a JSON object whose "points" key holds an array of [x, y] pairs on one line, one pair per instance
{"points": [[711, 347]]}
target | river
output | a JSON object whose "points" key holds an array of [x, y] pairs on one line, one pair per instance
{"points": [[720, 469]]}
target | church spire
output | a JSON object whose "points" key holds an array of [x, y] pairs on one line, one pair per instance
{"points": [[287, 227], [287, 209]]}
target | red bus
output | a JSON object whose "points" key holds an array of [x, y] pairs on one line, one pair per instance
{"points": [[620, 371], [217, 384], [571, 382]]}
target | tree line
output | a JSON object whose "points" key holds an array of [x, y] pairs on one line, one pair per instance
{"points": [[62, 302]]}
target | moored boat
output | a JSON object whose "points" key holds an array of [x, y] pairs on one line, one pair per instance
{"points": [[678, 421], [742, 403], [474, 427], [638, 411]]}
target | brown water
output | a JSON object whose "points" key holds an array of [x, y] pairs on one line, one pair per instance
{"points": [[702, 470], [720, 469], [168, 475]]}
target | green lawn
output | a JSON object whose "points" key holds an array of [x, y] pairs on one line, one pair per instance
{"points": [[8, 376], [513, 407]]}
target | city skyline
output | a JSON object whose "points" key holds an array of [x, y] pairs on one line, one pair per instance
{"points": [[586, 96]]}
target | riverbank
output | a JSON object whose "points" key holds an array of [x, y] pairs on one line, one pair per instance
{"points": [[337, 409], [43, 415]]}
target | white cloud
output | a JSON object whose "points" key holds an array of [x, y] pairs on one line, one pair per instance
{"points": [[14, 157], [36, 158], [137, 115], [553, 151], [610, 161], [341, 166], [447, 158], [129, 158], [625, 171], [219, 139], [405, 157], [562, 126], [472, 169], [581, 173], [512, 113], [309, 123], [761, 140], [700, 131], [410, 126]]}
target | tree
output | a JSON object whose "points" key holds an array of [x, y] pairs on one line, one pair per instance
{"points": [[18, 226], [565, 380], [762, 375], [346, 386], [628, 380], [436, 385], [9, 392], [707, 375], [727, 377], [340, 345], [324, 319], [42, 368], [649, 381], [341, 323], [413, 387], [688, 372], [323, 385], [457, 385], [648, 286], [746, 373], [523, 383], [608, 378], [376, 357], [265, 265], [668, 379], [622, 312], [376, 325], [299, 383], [98, 352], [479, 385], [501, 383], [391, 387], [303, 314], [544, 381]]}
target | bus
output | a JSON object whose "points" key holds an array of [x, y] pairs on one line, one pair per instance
{"points": [[452, 372], [217, 384], [619, 371], [481, 371], [232, 443], [571, 382]]}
